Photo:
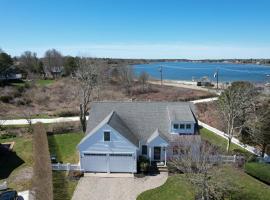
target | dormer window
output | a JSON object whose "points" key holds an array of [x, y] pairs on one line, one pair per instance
{"points": [[175, 126], [188, 126], [107, 136], [182, 126]]}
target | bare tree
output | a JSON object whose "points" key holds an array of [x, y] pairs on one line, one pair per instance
{"points": [[143, 78], [53, 61], [235, 103], [88, 76], [42, 186], [28, 115], [259, 124], [30, 62], [200, 163], [127, 78], [2, 122]]}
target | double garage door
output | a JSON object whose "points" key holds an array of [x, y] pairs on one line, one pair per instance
{"points": [[116, 162]]}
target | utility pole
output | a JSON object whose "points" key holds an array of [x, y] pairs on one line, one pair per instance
{"points": [[217, 79], [161, 78]]}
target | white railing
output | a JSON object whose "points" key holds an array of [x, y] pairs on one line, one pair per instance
{"points": [[65, 167], [227, 159]]}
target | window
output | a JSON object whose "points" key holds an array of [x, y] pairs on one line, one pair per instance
{"points": [[182, 126], [175, 150], [144, 150], [175, 126], [107, 136], [188, 126]]}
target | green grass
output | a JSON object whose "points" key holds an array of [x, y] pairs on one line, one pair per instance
{"points": [[42, 82], [178, 188], [21, 159], [221, 142], [259, 170], [63, 187], [175, 188], [64, 146]]}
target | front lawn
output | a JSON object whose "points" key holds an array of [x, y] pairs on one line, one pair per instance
{"points": [[175, 188], [17, 167], [178, 188], [259, 170], [221, 142]]}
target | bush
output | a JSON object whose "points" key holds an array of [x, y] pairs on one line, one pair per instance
{"points": [[42, 171], [75, 175], [6, 136], [260, 171], [6, 99], [143, 164], [67, 113], [60, 128]]}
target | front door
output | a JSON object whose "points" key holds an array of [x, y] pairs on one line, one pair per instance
{"points": [[157, 151]]}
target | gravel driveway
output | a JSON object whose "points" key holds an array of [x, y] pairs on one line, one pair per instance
{"points": [[97, 188]]}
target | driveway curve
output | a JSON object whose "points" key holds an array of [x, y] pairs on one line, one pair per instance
{"points": [[98, 188]]}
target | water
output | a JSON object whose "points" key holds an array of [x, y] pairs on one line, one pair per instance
{"points": [[187, 70]]}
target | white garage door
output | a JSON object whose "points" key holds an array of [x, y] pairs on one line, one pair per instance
{"points": [[109, 162], [121, 162], [94, 162]]}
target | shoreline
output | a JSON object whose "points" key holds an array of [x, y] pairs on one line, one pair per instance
{"points": [[184, 84]]}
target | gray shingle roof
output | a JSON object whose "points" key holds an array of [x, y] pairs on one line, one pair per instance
{"points": [[180, 113], [117, 123], [139, 119]]}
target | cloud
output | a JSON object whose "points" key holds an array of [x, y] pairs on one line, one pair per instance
{"points": [[155, 51]]}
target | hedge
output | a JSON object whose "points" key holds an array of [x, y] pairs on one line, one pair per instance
{"points": [[260, 171]]}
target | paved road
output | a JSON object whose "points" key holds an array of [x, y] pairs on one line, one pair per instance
{"points": [[98, 188]]}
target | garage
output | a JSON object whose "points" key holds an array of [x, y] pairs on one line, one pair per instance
{"points": [[114, 162]]}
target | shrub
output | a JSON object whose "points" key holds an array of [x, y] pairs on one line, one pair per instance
{"points": [[42, 177], [260, 171], [67, 113], [6, 99], [143, 164], [60, 128], [7, 135], [75, 175]]}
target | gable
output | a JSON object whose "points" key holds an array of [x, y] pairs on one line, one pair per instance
{"points": [[95, 142], [158, 141]]}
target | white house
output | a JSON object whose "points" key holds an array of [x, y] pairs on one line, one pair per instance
{"points": [[118, 132]]}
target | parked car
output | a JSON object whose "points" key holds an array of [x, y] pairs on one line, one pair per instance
{"points": [[8, 195]]}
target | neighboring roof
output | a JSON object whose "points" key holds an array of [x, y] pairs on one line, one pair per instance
{"points": [[141, 118], [180, 113], [113, 120], [155, 135]]}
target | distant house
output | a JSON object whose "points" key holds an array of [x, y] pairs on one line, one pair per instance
{"points": [[119, 132], [54, 72], [11, 73]]}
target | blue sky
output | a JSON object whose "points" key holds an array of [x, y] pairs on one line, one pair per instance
{"points": [[193, 29]]}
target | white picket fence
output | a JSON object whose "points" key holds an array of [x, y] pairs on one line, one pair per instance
{"points": [[65, 167]]}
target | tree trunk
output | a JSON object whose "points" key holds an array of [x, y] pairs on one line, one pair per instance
{"points": [[229, 144], [82, 118]]}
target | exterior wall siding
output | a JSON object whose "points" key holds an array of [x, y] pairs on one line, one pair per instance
{"points": [[95, 143]]}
